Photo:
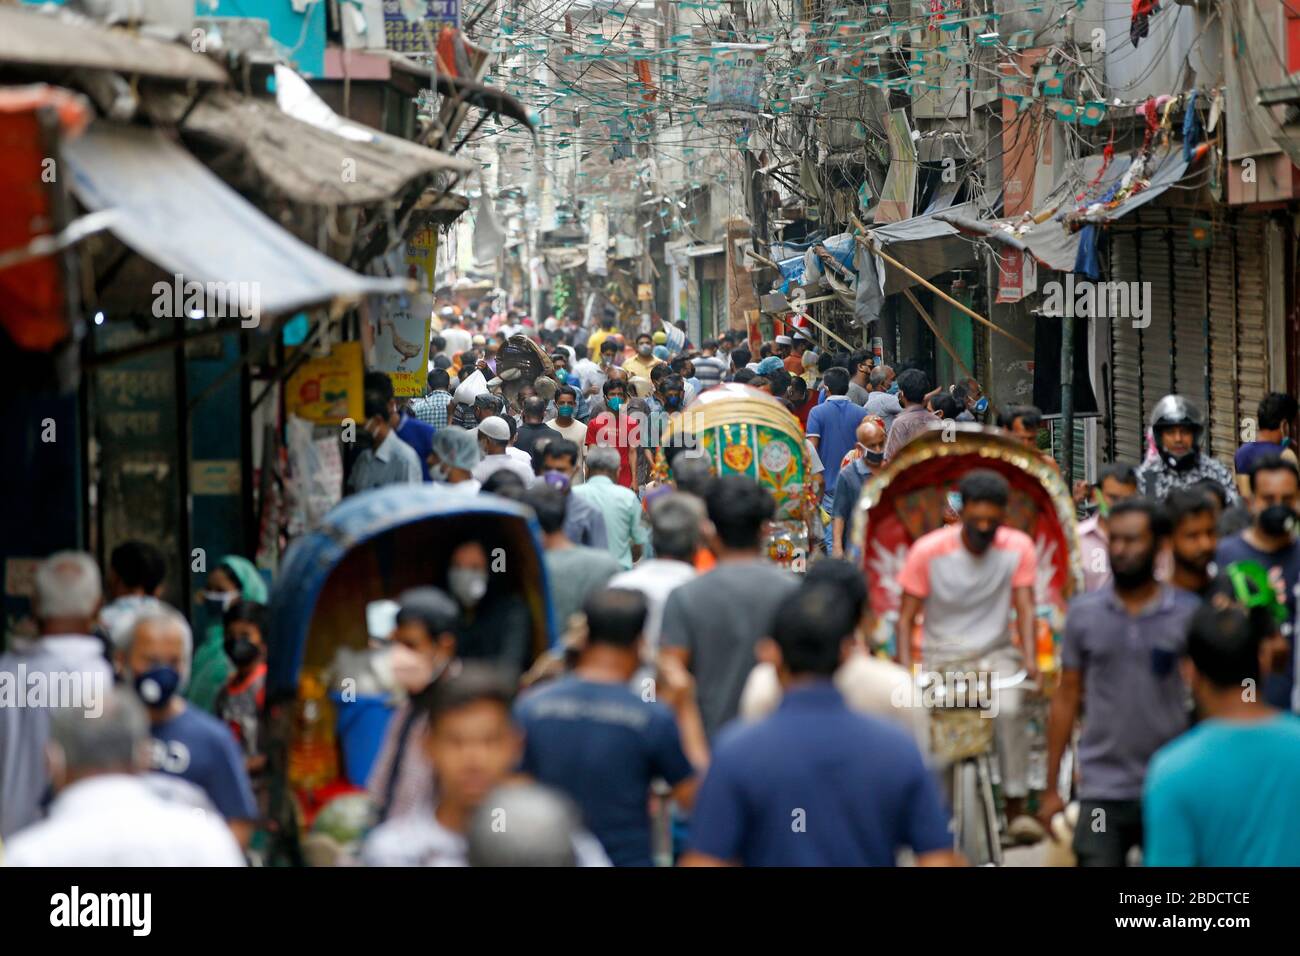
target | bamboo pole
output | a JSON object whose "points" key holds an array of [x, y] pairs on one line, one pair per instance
{"points": [[940, 293], [823, 328], [911, 297]]}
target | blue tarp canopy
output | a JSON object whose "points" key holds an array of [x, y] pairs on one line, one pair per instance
{"points": [[378, 543]]}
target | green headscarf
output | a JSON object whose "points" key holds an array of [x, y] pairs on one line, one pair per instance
{"points": [[211, 668]]}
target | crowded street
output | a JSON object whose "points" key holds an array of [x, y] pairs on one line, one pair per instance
{"points": [[652, 434]]}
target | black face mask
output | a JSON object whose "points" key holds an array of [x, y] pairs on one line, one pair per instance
{"points": [[873, 457], [979, 540], [1277, 520], [242, 651]]}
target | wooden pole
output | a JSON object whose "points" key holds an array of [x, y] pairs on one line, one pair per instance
{"points": [[941, 294], [911, 297]]}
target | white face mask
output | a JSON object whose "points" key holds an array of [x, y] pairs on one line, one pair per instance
{"points": [[412, 670], [468, 585], [438, 473]]}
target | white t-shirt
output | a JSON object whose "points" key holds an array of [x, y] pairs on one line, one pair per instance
{"points": [[116, 820], [575, 432], [458, 340], [491, 464], [656, 578]]}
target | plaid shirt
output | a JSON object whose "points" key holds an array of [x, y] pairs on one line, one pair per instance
{"points": [[432, 409]]}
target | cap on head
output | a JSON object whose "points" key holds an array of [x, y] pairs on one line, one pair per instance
{"points": [[495, 428]]}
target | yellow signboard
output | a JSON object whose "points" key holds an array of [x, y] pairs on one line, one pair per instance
{"points": [[328, 389], [422, 252], [401, 344]]}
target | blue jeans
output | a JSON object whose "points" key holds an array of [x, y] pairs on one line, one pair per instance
{"points": [[828, 502]]}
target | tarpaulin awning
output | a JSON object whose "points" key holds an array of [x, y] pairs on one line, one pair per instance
{"points": [[58, 40], [302, 161], [176, 213], [1055, 242], [927, 245]]}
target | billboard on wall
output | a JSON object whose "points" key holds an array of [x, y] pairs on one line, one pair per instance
{"points": [[406, 35]]}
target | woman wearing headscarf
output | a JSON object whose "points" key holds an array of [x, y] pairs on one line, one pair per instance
{"points": [[233, 579]]}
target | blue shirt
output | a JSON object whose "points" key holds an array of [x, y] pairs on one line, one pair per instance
{"points": [[419, 435], [847, 488], [201, 749], [817, 785], [1244, 460], [1224, 794], [835, 424], [602, 745]]}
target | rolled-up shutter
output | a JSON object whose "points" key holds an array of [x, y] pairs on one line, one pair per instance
{"points": [[1126, 398], [1238, 321], [1191, 346], [1155, 275], [1252, 319]]}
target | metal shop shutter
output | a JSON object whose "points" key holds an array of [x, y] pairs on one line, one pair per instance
{"points": [[1191, 311], [1126, 397], [1156, 268], [1238, 374]]}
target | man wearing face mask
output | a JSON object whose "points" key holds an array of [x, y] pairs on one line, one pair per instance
{"points": [[639, 365], [968, 577], [1177, 428], [423, 648], [452, 459], [1119, 665], [1270, 541], [495, 624], [388, 460], [187, 743], [851, 478]]}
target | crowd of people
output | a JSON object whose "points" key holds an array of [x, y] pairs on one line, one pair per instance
{"points": [[706, 706]]}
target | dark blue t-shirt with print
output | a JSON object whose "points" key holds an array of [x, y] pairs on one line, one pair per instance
{"points": [[602, 745], [1284, 570], [199, 748]]}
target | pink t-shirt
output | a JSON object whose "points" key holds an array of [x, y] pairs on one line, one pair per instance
{"points": [[1093, 554], [967, 597]]}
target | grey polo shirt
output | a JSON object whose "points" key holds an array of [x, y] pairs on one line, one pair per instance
{"points": [[392, 463], [1134, 699]]}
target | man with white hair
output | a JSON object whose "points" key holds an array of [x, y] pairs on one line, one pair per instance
{"points": [[64, 662], [187, 742], [104, 813]]}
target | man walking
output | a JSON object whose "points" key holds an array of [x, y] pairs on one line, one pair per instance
{"points": [[832, 431], [1119, 664]]}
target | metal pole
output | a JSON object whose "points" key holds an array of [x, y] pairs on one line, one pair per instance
{"points": [[1067, 395]]}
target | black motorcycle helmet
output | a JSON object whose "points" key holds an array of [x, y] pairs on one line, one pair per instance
{"points": [[1176, 410]]}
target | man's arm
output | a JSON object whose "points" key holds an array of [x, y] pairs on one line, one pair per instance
{"points": [[907, 612], [695, 859], [1060, 725], [941, 858], [1022, 599]]}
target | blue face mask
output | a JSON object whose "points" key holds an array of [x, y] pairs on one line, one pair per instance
{"points": [[982, 406], [893, 388], [157, 685]]}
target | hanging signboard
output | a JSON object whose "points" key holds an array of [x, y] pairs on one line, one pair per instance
{"points": [[401, 344], [422, 252], [1017, 276], [327, 389], [736, 72], [406, 35], [598, 243]]}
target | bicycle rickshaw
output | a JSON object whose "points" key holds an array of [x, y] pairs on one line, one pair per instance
{"points": [[744, 431], [910, 498], [370, 548]]}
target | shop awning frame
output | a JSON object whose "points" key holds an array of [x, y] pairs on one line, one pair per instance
{"points": [[176, 213]]}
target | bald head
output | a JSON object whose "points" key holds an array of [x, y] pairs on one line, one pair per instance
{"points": [[870, 433]]}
